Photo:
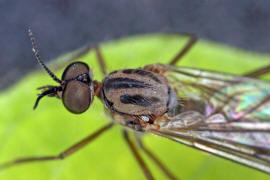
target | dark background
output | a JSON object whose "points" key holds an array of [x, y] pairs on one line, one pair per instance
{"points": [[64, 25]]}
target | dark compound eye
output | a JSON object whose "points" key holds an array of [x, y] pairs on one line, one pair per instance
{"points": [[77, 96], [75, 69]]}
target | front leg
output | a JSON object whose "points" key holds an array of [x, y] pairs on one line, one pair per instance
{"points": [[61, 155]]}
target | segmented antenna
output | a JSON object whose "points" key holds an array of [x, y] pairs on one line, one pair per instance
{"points": [[37, 56]]}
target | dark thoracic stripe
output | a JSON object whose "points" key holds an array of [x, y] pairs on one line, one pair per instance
{"points": [[108, 103], [138, 100], [142, 73], [120, 83], [128, 71]]}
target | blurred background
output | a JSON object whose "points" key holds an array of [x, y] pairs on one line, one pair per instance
{"points": [[64, 25]]}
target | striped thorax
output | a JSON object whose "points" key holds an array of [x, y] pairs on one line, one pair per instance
{"points": [[136, 92]]}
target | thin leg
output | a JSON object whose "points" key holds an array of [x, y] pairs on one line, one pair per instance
{"points": [[155, 160], [192, 40], [63, 154], [101, 61], [85, 50], [81, 52], [259, 72], [139, 159]]}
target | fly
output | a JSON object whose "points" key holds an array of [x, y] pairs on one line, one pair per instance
{"points": [[222, 114]]}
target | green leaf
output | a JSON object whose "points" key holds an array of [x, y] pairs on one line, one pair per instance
{"points": [[51, 129]]}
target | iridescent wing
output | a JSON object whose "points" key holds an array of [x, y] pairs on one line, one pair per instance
{"points": [[225, 115]]}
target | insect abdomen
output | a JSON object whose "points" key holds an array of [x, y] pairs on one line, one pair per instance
{"points": [[136, 92]]}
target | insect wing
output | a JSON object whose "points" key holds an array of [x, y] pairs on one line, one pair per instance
{"points": [[222, 114]]}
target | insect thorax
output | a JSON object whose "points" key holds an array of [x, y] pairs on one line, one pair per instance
{"points": [[136, 92]]}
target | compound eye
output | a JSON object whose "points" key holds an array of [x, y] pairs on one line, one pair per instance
{"points": [[77, 96], [75, 69]]}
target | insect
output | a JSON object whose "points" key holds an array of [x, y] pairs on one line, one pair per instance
{"points": [[222, 114]]}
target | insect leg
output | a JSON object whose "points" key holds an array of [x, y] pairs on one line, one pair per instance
{"points": [[81, 52], [101, 61], [259, 72], [63, 154], [192, 40], [139, 159], [163, 168]]}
